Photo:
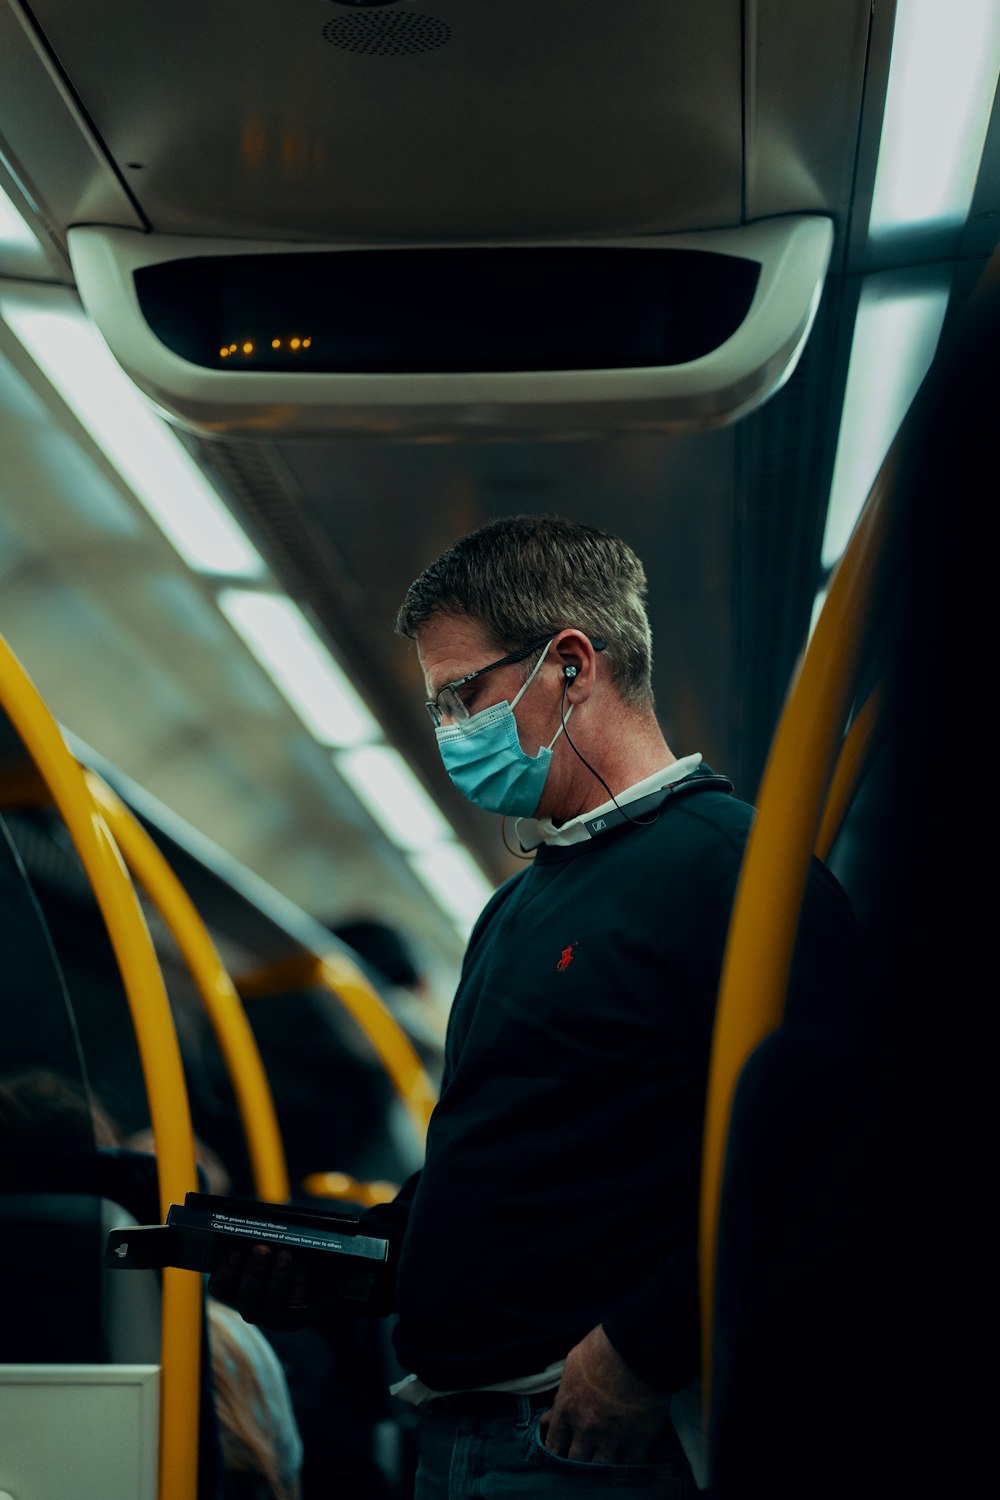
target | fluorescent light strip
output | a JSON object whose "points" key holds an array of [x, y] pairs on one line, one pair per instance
{"points": [[288, 648], [895, 335], [14, 228], [817, 610], [384, 784], [942, 82], [455, 880], [139, 444]]}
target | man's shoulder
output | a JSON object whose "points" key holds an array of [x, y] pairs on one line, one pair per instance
{"points": [[715, 811], [499, 899], [705, 821]]}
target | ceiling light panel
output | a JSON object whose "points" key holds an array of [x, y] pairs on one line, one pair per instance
{"points": [[136, 442], [385, 785], [942, 83], [896, 332], [15, 235], [288, 648], [455, 881]]}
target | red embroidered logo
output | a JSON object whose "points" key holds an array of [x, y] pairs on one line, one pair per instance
{"points": [[567, 957]]}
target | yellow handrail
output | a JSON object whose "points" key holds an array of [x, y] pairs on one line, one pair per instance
{"points": [[22, 786], [345, 1188], [401, 1060], [159, 1053], [347, 984], [772, 881], [775, 867], [856, 755], [233, 1032]]}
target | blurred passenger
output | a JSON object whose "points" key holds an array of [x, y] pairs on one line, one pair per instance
{"points": [[311, 1394], [261, 1445], [43, 1109], [217, 1179], [385, 949], [388, 959]]}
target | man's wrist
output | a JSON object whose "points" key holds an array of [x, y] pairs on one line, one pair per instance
{"points": [[648, 1393]]}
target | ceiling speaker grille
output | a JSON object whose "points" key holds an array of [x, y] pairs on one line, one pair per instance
{"points": [[384, 34]]}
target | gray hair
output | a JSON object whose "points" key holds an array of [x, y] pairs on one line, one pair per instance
{"points": [[523, 577]]}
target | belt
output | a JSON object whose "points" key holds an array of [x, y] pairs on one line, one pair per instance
{"points": [[492, 1403]]}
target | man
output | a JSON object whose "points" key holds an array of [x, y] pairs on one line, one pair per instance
{"points": [[546, 1288]]}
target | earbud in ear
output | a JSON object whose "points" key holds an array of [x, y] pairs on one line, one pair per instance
{"points": [[570, 671]]}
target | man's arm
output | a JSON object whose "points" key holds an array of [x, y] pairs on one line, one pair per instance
{"points": [[281, 1290]]}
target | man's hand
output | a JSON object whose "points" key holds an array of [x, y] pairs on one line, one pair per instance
{"points": [[268, 1286], [603, 1412]]}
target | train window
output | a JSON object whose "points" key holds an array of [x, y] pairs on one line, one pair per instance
{"points": [[101, 1024], [45, 1115], [43, 1095]]}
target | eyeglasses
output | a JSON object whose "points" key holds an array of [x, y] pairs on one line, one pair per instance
{"points": [[448, 700]]}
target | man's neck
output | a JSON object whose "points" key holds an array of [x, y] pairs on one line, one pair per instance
{"points": [[638, 750]]}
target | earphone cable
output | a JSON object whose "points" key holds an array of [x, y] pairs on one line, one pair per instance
{"points": [[636, 822]]}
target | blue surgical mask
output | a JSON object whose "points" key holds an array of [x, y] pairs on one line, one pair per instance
{"points": [[484, 758]]}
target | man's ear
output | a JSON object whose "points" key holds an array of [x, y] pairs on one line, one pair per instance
{"points": [[577, 662]]}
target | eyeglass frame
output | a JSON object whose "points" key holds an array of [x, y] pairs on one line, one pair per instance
{"points": [[460, 711]]}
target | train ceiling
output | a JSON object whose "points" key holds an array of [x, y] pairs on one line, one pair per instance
{"points": [[451, 122]]}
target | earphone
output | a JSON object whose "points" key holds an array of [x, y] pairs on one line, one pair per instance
{"points": [[570, 671]]}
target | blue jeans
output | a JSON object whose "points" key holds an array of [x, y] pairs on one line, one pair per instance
{"points": [[465, 1457]]}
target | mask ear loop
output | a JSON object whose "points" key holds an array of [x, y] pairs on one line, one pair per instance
{"points": [[636, 822], [514, 702], [503, 834]]}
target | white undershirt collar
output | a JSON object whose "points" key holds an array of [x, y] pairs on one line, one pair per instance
{"points": [[534, 831]]}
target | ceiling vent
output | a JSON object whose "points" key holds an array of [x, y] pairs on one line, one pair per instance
{"points": [[387, 33]]}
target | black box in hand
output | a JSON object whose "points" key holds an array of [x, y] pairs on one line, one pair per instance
{"points": [[199, 1233]]}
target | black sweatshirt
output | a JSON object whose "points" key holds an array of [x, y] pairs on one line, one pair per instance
{"points": [[561, 1179]]}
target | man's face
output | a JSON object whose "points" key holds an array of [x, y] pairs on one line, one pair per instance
{"points": [[451, 646]]}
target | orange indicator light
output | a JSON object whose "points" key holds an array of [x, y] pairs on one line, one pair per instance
{"points": [[295, 343], [224, 353], [248, 348], [232, 348], [306, 343], [275, 343]]}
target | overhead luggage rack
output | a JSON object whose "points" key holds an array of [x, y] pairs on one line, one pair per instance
{"points": [[667, 333], [449, 310]]}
